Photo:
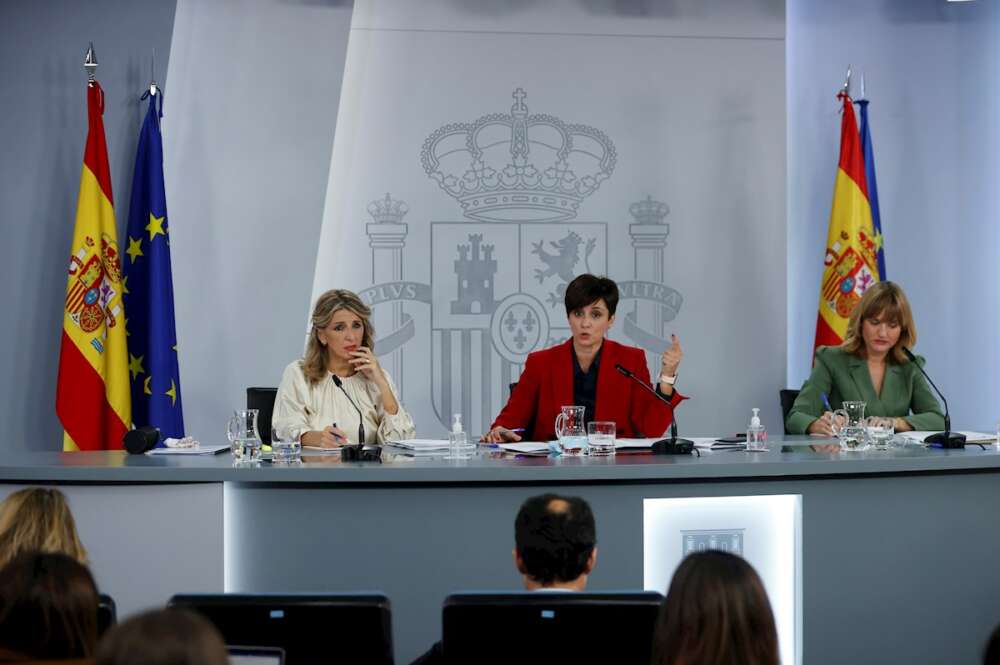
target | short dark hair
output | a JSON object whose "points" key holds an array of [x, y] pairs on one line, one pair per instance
{"points": [[555, 535], [716, 611], [586, 289], [163, 637], [48, 607]]}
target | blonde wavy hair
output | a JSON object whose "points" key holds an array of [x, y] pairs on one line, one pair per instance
{"points": [[38, 519], [314, 364], [884, 300]]}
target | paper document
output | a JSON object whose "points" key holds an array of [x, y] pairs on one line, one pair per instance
{"points": [[526, 447], [713, 443], [317, 450], [421, 444], [200, 450], [970, 437]]}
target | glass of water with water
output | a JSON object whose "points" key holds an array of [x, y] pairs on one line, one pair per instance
{"points": [[601, 438], [880, 432], [244, 437], [285, 445]]}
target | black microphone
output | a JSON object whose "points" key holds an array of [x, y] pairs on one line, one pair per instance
{"points": [[361, 418], [673, 445], [947, 438]]}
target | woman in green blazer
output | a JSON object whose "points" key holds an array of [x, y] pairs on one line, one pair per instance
{"points": [[870, 366]]}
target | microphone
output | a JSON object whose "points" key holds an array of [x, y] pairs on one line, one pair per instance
{"points": [[673, 445], [947, 438], [361, 418]]}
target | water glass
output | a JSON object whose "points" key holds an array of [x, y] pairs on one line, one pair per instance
{"points": [[880, 432], [601, 438], [285, 445]]}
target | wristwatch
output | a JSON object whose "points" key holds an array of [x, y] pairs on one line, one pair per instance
{"points": [[669, 380]]}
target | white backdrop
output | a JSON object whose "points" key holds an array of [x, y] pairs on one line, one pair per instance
{"points": [[683, 110]]}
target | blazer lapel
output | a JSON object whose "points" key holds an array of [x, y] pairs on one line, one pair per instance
{"points": [[862, 380], [606, 375], [562, 376], [892, 386]]}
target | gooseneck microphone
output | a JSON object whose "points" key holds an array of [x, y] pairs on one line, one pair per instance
{"points": [[947, 438], [673, 445], [361, 418]]}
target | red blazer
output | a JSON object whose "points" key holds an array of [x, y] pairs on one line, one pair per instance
{"points": [[546, 385]]}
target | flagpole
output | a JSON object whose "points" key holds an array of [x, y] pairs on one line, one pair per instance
{"points": [[90, 64]]}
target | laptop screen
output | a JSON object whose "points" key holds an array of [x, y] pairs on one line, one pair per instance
{"points": [[255, 655]]}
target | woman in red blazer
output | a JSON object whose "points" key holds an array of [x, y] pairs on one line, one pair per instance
{"points": [[582, 371]]}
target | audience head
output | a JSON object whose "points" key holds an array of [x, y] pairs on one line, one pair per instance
{"points": [[716, 611], [163, 637], [992, 654], [555, 542], [48, 607], [884, 302], [326, 332], [38, 519]]}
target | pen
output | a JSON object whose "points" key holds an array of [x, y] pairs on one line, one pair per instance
{"points": [[335, 435], [826, 402]]}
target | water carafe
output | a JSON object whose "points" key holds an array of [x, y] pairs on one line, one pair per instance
{"points": [[571, 430], [244, 437], [849, 426]]}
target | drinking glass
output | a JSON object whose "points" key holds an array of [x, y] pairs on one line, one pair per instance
{"points": [[880, 432], [571, 430], [285, 445], [601, 438], [244, 438]]}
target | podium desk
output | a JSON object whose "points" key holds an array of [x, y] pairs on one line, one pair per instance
{"points": [[897, 553]]}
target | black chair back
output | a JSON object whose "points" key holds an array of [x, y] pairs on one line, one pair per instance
{"points": [[550, 627], [787, 397], [312, 629], [262, 399]]}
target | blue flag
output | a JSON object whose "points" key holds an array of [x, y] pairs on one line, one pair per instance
{"points": [[866, 143], [149, 292]]}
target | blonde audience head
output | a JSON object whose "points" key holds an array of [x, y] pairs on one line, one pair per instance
{"points": [[38, 519]]}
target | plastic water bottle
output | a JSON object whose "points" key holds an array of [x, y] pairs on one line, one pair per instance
{"points": [[458, 441], [756, 434]]}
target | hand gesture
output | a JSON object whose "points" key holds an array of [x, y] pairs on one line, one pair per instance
{"points": [[826, 425], [500, 435], [332, 437], [672, 357], [364, 361]]}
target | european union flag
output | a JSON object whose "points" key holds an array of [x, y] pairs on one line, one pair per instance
{"points": [[149, 292], [866, 143]]}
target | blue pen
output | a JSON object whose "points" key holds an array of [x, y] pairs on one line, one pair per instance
{"points": [[826, 402]]}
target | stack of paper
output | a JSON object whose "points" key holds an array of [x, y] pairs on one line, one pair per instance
{"points": [[539, 448], [711, 443], [421, 447]]}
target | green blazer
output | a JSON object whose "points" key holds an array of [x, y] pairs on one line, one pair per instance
{"points": [[844, 377]]}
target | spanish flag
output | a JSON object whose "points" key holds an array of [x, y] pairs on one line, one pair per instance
{"points": [[850, 264], [92, 395]]}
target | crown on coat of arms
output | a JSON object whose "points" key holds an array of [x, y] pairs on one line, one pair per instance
{"points": [[388, 210], [518, 167], [649, 211]]}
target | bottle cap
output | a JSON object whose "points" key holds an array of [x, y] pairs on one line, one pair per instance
{"points": [[755, 420], [456, 424]]}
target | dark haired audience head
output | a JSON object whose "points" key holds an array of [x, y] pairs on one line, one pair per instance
{"points": [[716, 611], [555, 542], [587, 289], [163, 637], [48, 608], [992, 653]]}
